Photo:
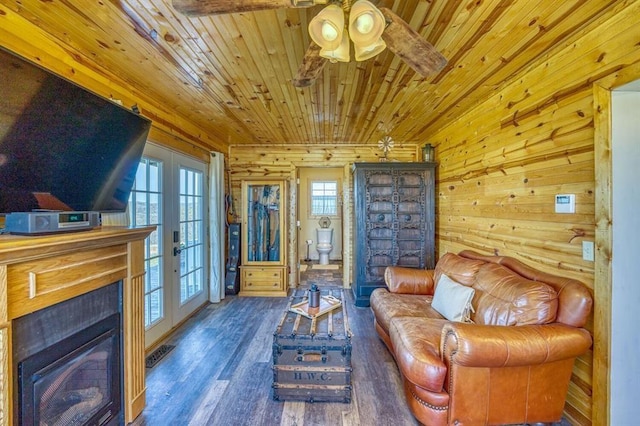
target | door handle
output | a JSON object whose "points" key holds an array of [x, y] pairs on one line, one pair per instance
{"points": [[176, 251]]}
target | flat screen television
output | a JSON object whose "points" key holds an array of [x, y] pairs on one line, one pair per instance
{"points": [[63, 147]]}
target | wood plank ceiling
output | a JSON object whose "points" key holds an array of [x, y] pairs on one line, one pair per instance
{"points": [[231, 74]]}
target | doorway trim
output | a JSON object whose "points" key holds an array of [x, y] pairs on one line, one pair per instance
{"points": [[603, 170], [346, 212]]}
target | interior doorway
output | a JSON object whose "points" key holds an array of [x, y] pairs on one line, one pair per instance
{"points": [[319, 207]]}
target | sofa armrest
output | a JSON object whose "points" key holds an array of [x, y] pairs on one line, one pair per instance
{"points": [[404, 280], [504, 346]]}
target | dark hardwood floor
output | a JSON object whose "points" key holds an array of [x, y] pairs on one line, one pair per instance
{"points": [[220, 371]]}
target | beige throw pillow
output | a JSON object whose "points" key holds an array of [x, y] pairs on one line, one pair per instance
{"points": [[453, 300]]}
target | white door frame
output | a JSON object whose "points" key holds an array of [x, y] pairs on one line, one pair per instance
{"points": [[174, 312], [604, 255]]}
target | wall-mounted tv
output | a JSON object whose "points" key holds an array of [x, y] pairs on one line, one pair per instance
{"points": [[63, 147]]}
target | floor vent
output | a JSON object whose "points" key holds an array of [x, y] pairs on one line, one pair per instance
{"points": [[157, 355]]}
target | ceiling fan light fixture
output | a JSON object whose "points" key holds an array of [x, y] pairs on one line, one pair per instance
{"points": [[327, 27], [340, 54], [366, 23]]}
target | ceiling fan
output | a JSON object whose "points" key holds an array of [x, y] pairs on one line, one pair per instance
{"points": [[369, 28]]}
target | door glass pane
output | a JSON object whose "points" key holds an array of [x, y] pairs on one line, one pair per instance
{"points": [[191, 234], [263, 223], [145, 204]]}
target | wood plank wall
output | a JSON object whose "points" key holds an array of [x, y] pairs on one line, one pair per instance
{"points": [[246, 162], [502, 162]]}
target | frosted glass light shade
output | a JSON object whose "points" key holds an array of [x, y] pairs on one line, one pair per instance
{"points": [[329, 32], [362, 53], [366, 23], [340, 54], [327, 27]]}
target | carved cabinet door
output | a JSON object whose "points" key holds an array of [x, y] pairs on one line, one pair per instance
{"points": [[394, 220]]}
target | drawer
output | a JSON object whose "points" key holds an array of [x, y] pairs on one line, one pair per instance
{"points": [[262, 280]]}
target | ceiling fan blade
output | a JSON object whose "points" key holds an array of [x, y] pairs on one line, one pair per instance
{"points": [[311, 67], [409, 45], [218, 7]]}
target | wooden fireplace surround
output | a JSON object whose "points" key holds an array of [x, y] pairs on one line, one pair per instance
{"points": [[40, 271]]}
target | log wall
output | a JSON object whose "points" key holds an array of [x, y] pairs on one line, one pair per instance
{"points": [[502, 162], [246, 162]]}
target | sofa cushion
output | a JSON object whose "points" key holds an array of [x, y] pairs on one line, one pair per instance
{"points": [[506, 298], [452, 299], [574, 298], [457, 268], [400, 279], [416, 343], [387, 305]]}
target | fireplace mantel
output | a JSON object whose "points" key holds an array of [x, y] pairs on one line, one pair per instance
{"points": [[40, 271]]}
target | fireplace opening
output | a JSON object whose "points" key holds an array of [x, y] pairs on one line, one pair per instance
{"points": [[68, 362], [74, 382]]}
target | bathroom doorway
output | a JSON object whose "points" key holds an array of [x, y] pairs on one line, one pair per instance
{"points": [[319, 205]]}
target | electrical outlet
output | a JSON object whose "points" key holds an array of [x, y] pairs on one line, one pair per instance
{"points": [[588, 251]]}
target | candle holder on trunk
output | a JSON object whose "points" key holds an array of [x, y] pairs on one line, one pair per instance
{"points": [[314, 296]]}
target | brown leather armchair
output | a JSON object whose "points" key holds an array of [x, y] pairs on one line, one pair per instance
{"points": [[511, 365]]}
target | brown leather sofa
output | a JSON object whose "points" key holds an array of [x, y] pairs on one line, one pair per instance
{"points": [[511, 364]]}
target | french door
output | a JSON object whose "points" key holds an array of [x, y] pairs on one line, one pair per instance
{"points": [[170, 192]]}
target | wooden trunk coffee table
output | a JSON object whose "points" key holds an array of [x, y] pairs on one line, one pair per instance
{"points": [[312, 350]]}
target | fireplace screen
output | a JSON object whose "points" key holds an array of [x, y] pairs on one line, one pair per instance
{"points": [[75, 382]]}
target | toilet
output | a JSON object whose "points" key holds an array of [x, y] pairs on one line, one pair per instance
{"points": [[324, 235]]}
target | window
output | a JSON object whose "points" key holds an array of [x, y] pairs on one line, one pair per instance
{"points": [[324, 198], [191, 233], [145, 204]]}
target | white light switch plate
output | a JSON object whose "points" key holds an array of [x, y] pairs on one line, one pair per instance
{"points": [[587, 251]]}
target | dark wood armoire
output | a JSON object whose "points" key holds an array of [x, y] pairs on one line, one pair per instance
{"points": [[394, 219]]}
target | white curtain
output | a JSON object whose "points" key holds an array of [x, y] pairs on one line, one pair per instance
{"points": [[216, 227]]}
